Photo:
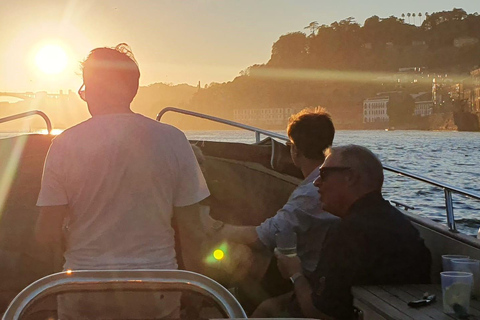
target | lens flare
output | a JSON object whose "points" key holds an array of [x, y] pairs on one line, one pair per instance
{"points": [[218, 254], [11, 151]]}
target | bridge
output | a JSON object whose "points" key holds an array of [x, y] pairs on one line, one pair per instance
{"points": [[34, 95]]}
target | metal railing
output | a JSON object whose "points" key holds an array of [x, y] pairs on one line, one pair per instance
{"points": [[27, 114], [257, 131], [448, 189], [102, 280]]}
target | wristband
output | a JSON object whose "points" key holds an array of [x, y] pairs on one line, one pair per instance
{"points": [[295, 276]]}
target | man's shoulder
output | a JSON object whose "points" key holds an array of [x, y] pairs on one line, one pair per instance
{"points": [[72, 133], [306, 189], [163, 130]]}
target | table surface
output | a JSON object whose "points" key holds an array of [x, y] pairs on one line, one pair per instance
{"points": [[391, 302]]}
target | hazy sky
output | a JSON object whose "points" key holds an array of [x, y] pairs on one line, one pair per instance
{"points": [[174, 41]]}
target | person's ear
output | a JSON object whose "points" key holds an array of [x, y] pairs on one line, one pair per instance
{"points": [[352, 177], [294, 150]]}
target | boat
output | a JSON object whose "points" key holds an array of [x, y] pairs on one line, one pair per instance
{"points": [[255, 178]]}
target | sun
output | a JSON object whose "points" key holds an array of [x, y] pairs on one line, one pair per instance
{"points": [[51, 59]]}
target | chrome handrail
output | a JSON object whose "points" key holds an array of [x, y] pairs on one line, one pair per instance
{"points": [[448, 189], [224, 121], [27, 114], [101, 280]]}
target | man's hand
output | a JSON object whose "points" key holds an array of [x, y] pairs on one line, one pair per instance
{"points": [[207, 222], [288, 266]]}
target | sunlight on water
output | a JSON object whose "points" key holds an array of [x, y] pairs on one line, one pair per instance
{"points": [[55, 132]]}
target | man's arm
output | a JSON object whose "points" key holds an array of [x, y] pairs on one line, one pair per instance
{"points": [[239, 234], [48, 232], [303, 293], [191, 235], [290, 267], [48, 229]]}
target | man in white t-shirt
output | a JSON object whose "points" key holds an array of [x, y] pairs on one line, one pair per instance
{"points": [[112, 183]]}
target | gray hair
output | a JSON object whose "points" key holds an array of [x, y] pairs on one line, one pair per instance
{"points": [[362, 160]]}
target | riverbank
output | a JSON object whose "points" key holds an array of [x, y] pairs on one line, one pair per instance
{"points": [[446, 121]]}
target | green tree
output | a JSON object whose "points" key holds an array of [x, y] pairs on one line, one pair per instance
{"points": [[289, 50], [313, 26]]}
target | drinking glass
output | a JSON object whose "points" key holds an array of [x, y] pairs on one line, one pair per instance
{"points": [[446, 264], [286, 243], [469, 265], [456, 291]]}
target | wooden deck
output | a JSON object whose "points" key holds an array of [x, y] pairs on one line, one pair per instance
{"points": [[390, 303]]}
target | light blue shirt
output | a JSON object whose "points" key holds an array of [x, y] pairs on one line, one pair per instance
{"points": [[302, 214]]}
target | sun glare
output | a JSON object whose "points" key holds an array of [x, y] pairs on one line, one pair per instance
{"points": [[51, 59]]}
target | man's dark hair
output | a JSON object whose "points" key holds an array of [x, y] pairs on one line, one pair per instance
{"points": [[311, 131], [112, 73]]}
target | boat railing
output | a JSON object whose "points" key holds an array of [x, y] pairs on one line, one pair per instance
{"points": [[102, 280], [28, 114], [257, 131], [448, 189]]}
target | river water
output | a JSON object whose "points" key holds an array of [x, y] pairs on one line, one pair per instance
{"points": [[449, 157]]}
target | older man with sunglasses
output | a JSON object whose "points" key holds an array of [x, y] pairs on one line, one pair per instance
{"points": [[374, 243]]}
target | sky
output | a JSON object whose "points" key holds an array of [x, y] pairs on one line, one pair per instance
{"points": [[174, 41]]}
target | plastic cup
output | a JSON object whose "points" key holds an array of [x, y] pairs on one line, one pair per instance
{"points": [[456, 291], [286, 243], [446, 258], [472, 266]]}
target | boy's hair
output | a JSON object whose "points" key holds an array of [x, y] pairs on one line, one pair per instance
{"points": [[311, 131], [112, 73]]}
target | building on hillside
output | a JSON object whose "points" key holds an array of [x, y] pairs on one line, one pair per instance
{"points": [[423, 104], [464, 41], [410, 74], [375, 109], [367, 45], [418, 43], [264, 116], [474, 94]]}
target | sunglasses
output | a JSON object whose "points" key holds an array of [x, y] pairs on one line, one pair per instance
{"points": [[326, 171], [81, 92]]}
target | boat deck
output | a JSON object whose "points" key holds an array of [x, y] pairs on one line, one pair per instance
{"points": [[390, 303]]}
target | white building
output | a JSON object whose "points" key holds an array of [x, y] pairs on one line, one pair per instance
{"points": [[423, 104], [423, 108], [375, 109]]}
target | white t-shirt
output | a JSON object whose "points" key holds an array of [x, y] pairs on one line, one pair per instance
{"points": [[121, 175]]}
